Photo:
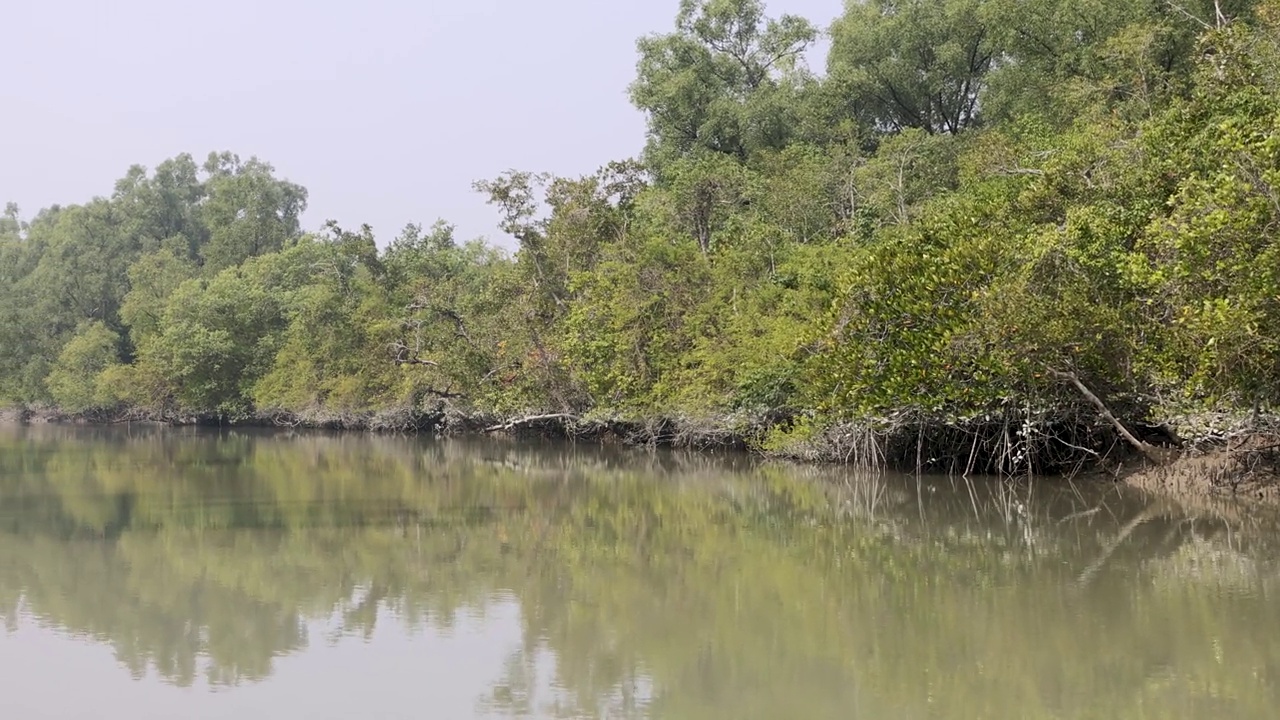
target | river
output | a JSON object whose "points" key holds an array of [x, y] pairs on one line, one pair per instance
{"points": [[154, 573]]}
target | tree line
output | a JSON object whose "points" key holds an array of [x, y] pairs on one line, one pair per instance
{"points": [[1023, 214]]}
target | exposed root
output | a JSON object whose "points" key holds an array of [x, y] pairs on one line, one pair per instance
{"points": [[1008, 443], [1227, 456]]}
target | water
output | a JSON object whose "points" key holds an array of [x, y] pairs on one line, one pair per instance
{"points": [[160, 574]]}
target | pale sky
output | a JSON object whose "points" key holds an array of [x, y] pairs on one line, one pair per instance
{"points": [[386, 110]]}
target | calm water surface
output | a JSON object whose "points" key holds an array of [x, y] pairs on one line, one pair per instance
{"points": [[163, 574]]}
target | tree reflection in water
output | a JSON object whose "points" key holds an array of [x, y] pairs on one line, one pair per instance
{"points": [[648, 583]]}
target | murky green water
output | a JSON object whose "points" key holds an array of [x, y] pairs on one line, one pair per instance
{"points": [[160, 574]]}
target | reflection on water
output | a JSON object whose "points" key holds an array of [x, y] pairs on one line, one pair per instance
{"points": [[297, 574]]}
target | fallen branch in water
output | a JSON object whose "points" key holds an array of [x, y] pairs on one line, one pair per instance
{"points": [[566, 417]]}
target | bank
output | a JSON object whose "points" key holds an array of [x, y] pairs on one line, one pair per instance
{"points": [[1223, 455]]}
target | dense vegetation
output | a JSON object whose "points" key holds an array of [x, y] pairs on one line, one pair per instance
{"points": [[987, 219]]}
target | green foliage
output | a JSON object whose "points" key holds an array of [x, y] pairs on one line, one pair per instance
{"points": [[331, 350], [1211, 265], [895, 337], [628, 329], [152, 279], [116, 260], [907, 169], [78, 380], [219, 337]]}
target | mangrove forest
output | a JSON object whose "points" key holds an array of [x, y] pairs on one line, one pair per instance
{"points": [[987, 235]]}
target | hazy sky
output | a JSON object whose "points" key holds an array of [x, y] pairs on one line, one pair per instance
{"points": [[386, 110]]}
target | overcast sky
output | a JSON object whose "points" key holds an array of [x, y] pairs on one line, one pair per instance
{"points": [[386, 110]]}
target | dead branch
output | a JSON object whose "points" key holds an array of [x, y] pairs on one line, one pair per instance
{"points": [[1190, 15], [1151, 452], [565, 417], [460, 326], [404, 355], [1081, 448], [1033, 172], [443, 394], [417, 361], [1220, 18]]}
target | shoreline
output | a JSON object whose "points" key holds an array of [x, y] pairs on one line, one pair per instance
{"points": [[1243, 465]]}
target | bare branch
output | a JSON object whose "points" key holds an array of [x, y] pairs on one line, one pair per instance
{"points": [[404, 355], [1033, 172], [444, 394], [1192, 16], [1149, 451], [565, 417]]}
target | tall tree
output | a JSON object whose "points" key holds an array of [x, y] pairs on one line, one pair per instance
{"points": [[722, 81], [248, 211], [914, 63], [164, 206]]}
